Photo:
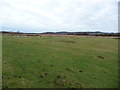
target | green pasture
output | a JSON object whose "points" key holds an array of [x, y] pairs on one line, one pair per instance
{"points": [[59, 62]]}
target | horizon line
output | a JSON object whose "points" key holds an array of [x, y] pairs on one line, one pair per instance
{"points": [[58, 31]]}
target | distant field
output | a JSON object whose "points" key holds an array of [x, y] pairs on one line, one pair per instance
{"points": [[59, 62]]}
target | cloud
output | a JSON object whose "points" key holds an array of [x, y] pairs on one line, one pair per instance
{"points": [[56, 15]]}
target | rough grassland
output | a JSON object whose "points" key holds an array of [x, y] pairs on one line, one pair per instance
{"points": [[59, 62]]}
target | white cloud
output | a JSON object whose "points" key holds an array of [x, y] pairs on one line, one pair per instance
{"points": [[70, 15]]}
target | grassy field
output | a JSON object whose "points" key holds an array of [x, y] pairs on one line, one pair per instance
{"points": [[59, 62]]}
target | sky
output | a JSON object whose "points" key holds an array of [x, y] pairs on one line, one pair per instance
{"points": [[59, 15]]}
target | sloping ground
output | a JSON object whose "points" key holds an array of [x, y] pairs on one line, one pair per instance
{"points": [[80, 36], [0, 61], [60, 62]]}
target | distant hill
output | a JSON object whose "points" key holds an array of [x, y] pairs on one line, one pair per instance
{"points": [[97, 33]]}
